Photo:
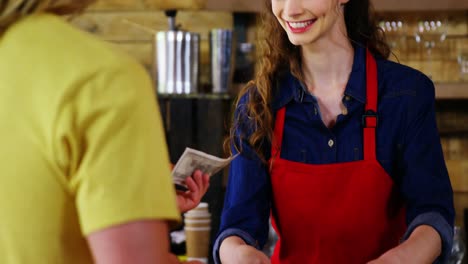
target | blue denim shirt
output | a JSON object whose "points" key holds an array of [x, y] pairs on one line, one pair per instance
{"points": [[407, 140]]}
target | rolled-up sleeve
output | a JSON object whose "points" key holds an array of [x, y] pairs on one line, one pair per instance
{"points": [[425, 183]]}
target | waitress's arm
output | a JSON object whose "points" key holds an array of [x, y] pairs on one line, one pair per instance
{"points": [[244, 220], [423, 179], [423, 246]]}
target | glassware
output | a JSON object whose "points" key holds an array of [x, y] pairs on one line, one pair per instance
{"points": [[463, 63], [269, 247], [430, 33], [394, 32], [458, 248]]}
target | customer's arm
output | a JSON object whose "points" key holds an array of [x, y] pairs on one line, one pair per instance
{"points": [[119, 173], [137, 242]]}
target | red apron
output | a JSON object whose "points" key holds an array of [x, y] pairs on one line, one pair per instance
{"points": [[335, 213]]}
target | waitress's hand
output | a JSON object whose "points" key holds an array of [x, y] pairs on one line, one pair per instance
{"points": [[197, 185], [423, 246], [246, 254], [390, 257], [234, 250]]}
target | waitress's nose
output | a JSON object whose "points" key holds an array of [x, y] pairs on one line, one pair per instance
{"points": [[293, 8]]}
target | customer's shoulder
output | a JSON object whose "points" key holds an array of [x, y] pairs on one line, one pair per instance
{"points": [[52, 37]]}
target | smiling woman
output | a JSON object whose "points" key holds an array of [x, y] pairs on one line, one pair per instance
{"points": [[13, 10], [313, 129], [278, 55]]}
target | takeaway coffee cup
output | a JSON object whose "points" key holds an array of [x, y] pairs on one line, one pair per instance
{"points": [[197, 225]]}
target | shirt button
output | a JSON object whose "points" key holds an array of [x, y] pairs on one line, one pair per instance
{"points": [[331, 143], [347, 98]]}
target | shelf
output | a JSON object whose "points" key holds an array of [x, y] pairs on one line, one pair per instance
{"points": [[451, 91], [444, 91], [235, 5], [210, 5], [420, 5], [256, 6], [210, 96], [380, 5]]}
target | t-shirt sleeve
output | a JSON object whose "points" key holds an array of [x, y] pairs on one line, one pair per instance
{"points": [[121, 167]]}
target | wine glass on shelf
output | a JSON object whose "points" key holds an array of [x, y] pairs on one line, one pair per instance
{"points": [[430, 34], [395, 34], [462, 59]]}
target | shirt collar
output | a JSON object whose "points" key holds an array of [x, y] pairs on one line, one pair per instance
{"points": [[356, 86], [290, 88]]}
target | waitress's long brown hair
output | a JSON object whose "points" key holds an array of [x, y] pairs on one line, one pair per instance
{"points": [[277, 56], [13, 10]]}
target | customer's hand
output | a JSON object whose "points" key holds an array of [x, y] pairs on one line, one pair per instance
{"points": [[197, 185]]}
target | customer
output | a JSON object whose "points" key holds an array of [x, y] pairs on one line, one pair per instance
{"points": [[84, 168], [339, 144]]}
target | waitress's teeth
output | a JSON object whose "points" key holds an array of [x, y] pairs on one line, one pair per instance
{"points": [[300, 24]]}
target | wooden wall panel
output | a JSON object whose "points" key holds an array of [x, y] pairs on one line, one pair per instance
{"points": [[136, 26], [142, 51], [117, 5], [458, 171], [257, 5], [460, 200], [420, 5], [236, 5], [175, 4]]}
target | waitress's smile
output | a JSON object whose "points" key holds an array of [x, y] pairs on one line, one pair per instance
{"points": [[298, 27], [308, 21]]}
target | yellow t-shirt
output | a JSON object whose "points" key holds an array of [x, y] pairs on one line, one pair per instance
{"points": [[81, 143]]}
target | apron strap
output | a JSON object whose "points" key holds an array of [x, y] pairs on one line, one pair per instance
{"points": [[278, 133], [369, 119]]}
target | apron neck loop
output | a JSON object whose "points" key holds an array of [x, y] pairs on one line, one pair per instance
{"points": [[278, 133], [369, 118]]}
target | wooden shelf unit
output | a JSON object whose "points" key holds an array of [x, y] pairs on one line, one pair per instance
{"points": [[420, 5], [380, 5], [450, 91]]}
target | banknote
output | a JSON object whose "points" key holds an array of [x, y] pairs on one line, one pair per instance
{"points": [[192, 160]]}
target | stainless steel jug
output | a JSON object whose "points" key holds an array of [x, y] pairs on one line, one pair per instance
{"points": [[222, 47], [178, 59]]}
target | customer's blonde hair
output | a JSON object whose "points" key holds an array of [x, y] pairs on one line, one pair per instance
{"points": [[13, 10]]}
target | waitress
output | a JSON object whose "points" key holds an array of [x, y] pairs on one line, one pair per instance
{"points": [[338, 144]]}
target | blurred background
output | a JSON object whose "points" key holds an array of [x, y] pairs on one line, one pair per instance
{"points": [[429, 35]]}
